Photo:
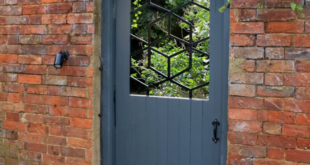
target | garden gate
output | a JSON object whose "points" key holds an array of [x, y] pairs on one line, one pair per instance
{"points": [[160, 130]]}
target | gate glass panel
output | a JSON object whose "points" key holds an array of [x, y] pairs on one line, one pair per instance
{"points": [[170, 48]]}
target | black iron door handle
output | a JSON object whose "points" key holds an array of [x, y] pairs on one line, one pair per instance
{"points": [[215, 123]]}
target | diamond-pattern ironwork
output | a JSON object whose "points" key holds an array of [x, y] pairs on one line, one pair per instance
{"points": [[189, 44]]}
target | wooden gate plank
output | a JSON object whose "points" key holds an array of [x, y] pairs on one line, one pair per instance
{"points": [[173, 131], [184, 132], [151, 116], [196, 132], [161, 131], [140, 131]]}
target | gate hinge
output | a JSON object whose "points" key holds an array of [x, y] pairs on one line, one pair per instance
{"points": [[101, 66]]}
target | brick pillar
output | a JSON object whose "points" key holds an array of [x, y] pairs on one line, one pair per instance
{"points": [[269, 102]]}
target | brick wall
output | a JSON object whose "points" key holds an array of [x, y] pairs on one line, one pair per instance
{"points": [[269, 103], [46, 114]]}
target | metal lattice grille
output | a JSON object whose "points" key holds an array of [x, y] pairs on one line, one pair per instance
{"points": [[183, 48]]}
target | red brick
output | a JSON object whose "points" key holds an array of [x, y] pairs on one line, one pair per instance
{"points": [[302, 93], [307, 26], [90, 28], [245, 126], [275, 79], [275, 153], [81, 40], [29, 59], [296, 105], [29, 2], [13, 125], [276, 141], [303, 119], [29, 79], [296, 131], [267, 91], [245, 103], [242, 114], [46, 100], [76, 161], [13, 40], [59, 8], [78, 61], [275, 14], [75, 132], [55, 39], [301, 40], [80, 81], [30, 39], [79, 29], [53, 150], [303, 66], [56, 110], [72, 152], [55, 130], [3, 96], [298, 156], [14, 97], [59, 29], [273, 40], [35, 19], [36, 147], [14, 29], [270, 162], [76, 112], [242, 138], [249, 151], [55, 140], [297, 79], [35, 29], [11, 77], [249, 28], [35, 69], [53, 1], [272, 128], [242, 90], [80, 102], [53, 159], [277, 117], [8, 58], [29, 137], [37, 128], [57, 120], [273, 104], [285, 27], [17, 20], [275, 53], [67, 91], [41, 90], [303, 143], [282, 3], [246, 78], [275, 66], [53, 19], [12, 116], [34, 9], [80, 18], [81, 123], [34, 49], [81, 143]]}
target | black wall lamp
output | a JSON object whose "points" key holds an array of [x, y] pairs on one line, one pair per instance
{"points": [[61, 58]]}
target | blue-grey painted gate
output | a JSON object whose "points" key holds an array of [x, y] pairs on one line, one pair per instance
{"points": [[171, 131]]}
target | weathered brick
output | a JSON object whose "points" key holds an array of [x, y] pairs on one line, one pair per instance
{"points": [[275, 14], [270, 162], [244, 4], [67, 91], [273, 104], [275, 153], [303, 119], [54, 80], [35, 147], [249, 151], [81, 40], [275, 66], [267, 91], [297, 53], [34, 9], [247, 52], [276, 141], [247, 28], [302, 93], [10, 10], [29, 59], [30, 39], [80, 81], [275, 79], [55, 39], [17, 20], [245, 103], [75, 132], [80, 18], [277, 117], [297, 79], [274, 40], [34, 49], [53, 159], [55, 140], [53, 150], [301, 40], [59, 8], [80, 102], [81, 143], [78, 7], [303, 143], [275, 53], [59, 29], [72, 152], [57, 120], [282, 3], [242, 90], [53, 19], [81, 123], [245, 126], [296, 105], [32, 118], [272, 128], [35, 29], [303, 66], [242, 138], [234, 159], [71, 160], [13, 125], [13, 29], [37, 128]]}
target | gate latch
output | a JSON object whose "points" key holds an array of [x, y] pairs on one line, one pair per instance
{"points": [[215, 123]]}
